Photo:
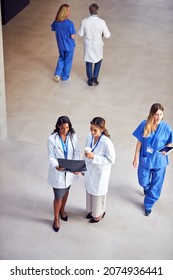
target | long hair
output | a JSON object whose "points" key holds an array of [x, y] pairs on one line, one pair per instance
{"points": [[101, 124], [150, 125], [63, 120], [62, 12]]}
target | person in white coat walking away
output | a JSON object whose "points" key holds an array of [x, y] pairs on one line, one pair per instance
{"points": [[99, 156], [93, 29], [62, 143]]}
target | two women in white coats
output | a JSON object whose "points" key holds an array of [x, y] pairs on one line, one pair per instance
{"points": [[98, 161], [62, 143]]}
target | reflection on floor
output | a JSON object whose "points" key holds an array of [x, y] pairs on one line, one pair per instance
{"points": [[136, 72]]}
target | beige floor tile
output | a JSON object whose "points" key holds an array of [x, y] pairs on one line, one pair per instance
{"points": [[136, 72]]}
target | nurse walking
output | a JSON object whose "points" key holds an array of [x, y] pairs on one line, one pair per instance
{"points": [[64, 31], [62, 143], [98, 161], [152, 134], [93, 29]]}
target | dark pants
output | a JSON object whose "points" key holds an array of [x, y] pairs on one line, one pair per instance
{"points": [[93, 74]]}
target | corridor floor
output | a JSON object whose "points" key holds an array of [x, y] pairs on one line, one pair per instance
{"points": [[136, 72]]}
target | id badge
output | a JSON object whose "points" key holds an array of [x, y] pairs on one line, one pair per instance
{"points": [[150, 150]]}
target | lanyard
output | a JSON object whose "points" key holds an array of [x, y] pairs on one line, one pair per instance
{"points": [[95, 144], [64, 146], [149, 142]]}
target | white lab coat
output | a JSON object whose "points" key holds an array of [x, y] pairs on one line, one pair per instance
{"points": [[60, 179], [99, 169], [93, 29]]}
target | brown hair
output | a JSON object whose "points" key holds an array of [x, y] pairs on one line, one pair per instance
{"points": [[100, 123], [150, 126], [93, 8], [62, 12]]}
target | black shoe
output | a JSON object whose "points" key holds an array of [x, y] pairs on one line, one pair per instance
{"points": [[89, 216], [64, 218], [92, 221], [90, 82], [56, 229], [103, 215], [147, 212], [96, 83], [96, 221]]}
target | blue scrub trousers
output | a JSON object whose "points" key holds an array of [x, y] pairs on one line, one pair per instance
{"points": [[152, 181], [93, 74], [64, 64]]}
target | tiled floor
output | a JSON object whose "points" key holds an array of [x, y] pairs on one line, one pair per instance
{"points": [[136, 72]]}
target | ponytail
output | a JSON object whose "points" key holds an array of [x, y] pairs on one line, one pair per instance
{"points": [[106, 133], [100, 123]]}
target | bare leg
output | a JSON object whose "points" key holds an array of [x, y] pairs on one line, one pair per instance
{"points": [[57, 205], [62, 208]]}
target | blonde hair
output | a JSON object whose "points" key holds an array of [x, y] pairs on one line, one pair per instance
{"points": [[150, 125], [62, 13]]}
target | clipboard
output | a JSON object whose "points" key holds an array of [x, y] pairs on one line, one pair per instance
{"points": [[165, 149], [72, 165]]}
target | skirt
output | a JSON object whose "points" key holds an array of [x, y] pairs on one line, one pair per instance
{"points": [[59, 193]]}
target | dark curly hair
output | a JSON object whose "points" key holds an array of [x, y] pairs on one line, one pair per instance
{"points": [[62, 120]]}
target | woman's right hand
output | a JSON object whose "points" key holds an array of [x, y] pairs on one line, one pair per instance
{"points": [[136, 156], [59, 168], [135, 163]]}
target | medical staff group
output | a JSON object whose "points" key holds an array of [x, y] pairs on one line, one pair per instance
{"points": [[152, 134], [99, 153]]}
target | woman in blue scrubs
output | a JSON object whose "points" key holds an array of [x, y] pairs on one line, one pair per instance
{"points": [[152, 134], [64, 31]]}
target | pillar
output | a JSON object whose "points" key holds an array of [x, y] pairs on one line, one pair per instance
{"points": [[3, 117]]}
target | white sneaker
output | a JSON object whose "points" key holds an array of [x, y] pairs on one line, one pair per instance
{"points": [[57, 78]]}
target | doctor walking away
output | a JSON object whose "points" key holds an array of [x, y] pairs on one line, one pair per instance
{"points": [[152, 134], [93, 29], [99, 157], [64, 31], [62, 143]]}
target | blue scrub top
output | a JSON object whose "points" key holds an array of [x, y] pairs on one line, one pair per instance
{"points": [[63, 31], [157, 139]]}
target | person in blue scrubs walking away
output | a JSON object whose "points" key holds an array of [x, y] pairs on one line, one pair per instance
{"points": [[152, 134], [64, 32]]}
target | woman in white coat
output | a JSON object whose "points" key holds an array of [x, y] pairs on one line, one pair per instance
{"points": [[99, 156], [62, 143], [93, 29]]}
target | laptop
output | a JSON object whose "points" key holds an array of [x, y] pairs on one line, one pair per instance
{"points": [[72, 165]]}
